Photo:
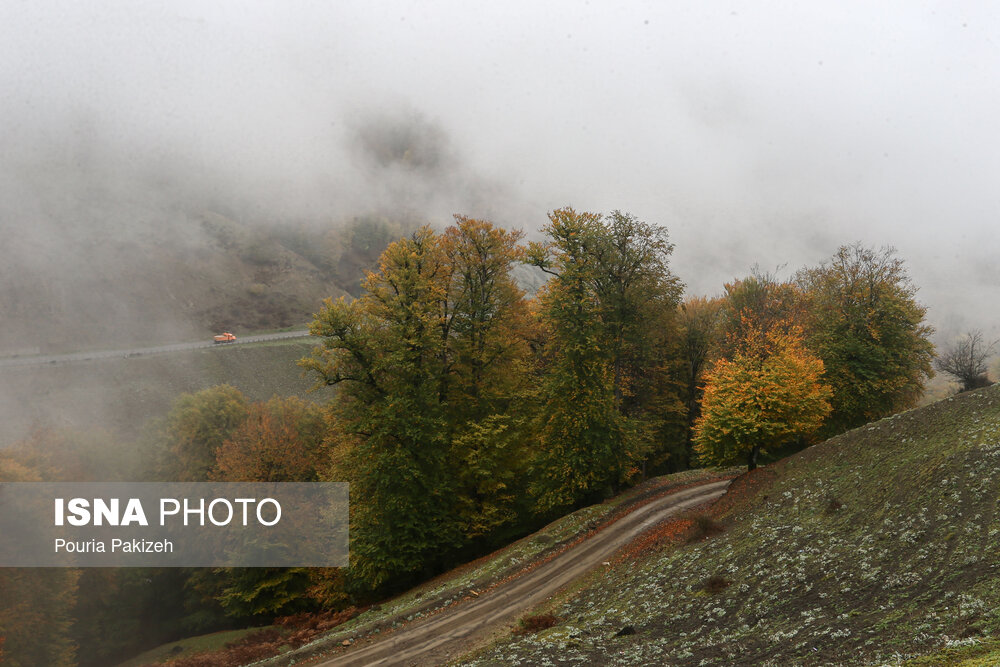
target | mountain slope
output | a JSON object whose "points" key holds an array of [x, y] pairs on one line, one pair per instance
{"points": [[169, 278], [119, 396], [879, 544]]}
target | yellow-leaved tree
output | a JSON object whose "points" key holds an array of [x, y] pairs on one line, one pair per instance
{"points": [[769, 393]]}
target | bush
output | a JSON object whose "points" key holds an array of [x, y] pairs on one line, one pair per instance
{"points": [[716, 584], [529, 625], [703, 528]]}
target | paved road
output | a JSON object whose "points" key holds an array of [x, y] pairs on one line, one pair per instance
{"points": [[438, 638], [43, 360]]}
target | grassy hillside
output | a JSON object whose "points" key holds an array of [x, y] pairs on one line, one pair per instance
{"points": [[121, 395], [480, 575], [877, 546]]}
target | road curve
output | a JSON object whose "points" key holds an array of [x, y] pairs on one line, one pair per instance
{"points": [[44, 360], [443, 636]]}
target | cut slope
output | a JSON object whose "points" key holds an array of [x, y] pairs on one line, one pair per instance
{"points": [[878, 544]]}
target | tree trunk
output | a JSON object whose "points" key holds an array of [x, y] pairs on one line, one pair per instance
{"points": [[752, 458]]}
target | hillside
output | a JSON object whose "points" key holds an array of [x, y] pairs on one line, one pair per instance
{"points": [[876, 546], [175, 277], [450, 591], [122, 395]]}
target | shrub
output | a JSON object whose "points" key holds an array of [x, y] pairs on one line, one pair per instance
{"points": [[704, 527], [531, 624], [716, 584]]}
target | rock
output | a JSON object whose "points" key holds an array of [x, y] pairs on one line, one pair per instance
{"points": [[624, 632]]}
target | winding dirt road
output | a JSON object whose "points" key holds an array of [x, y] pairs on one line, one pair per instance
{"points": [[44, 360], [446, 635]]}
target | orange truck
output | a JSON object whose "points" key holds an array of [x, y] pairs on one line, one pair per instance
{"points": [[225, 338]]}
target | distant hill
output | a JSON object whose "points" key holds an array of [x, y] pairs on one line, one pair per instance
{"points": [[180, 278], [879, 545]]}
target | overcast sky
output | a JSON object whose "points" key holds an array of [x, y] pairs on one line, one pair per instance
{"points": [[756, 132]]}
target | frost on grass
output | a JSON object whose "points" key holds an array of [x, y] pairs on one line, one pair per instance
{"points": [[907, 564]]}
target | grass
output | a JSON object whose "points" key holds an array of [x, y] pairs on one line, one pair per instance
{"points": [[876, 547], [121, 395], [187, 647], [473, 578], [463, 582], [962, 653]]}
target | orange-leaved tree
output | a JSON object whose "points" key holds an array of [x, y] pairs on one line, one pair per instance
{"points": [[768, 394], [279, 441]]}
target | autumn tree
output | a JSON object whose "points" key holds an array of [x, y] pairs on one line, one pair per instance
{"points": [[868, 328], [488, 364], [700, 322], [756, 306], [770, 392], [189, 437], [278, 441], [423, 359], [36, 604], [965, 360], [36, 616]]}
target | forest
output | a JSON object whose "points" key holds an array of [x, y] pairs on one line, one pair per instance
{"points": [[467, 412]]}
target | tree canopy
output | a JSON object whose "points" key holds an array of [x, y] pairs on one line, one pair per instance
{"points": [[770, 392], [868, 328]]}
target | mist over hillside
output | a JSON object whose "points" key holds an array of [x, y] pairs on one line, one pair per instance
{"points": [[170, 171], [110, 242]]}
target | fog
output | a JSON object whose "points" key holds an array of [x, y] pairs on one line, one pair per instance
{"points": [[763, 133]]}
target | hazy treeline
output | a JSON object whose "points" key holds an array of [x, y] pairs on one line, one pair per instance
{"points": [[467, 413]]}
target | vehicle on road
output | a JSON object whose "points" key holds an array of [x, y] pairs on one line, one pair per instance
{"points": [[225, 337]]}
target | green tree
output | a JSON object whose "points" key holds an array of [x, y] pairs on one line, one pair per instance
{"points": [[485, 321], [488, 362], [769, 393], [867, 327], [639, 298], [611, 324], [428, 362], [385, 350], [583, 437], [194, 429], [263, 592]]}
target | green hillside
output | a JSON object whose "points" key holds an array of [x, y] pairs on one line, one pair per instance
{"points": [[876, 546], [122, 395]]}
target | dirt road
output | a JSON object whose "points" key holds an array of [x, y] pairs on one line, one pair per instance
{"points": [[444, 636]]}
